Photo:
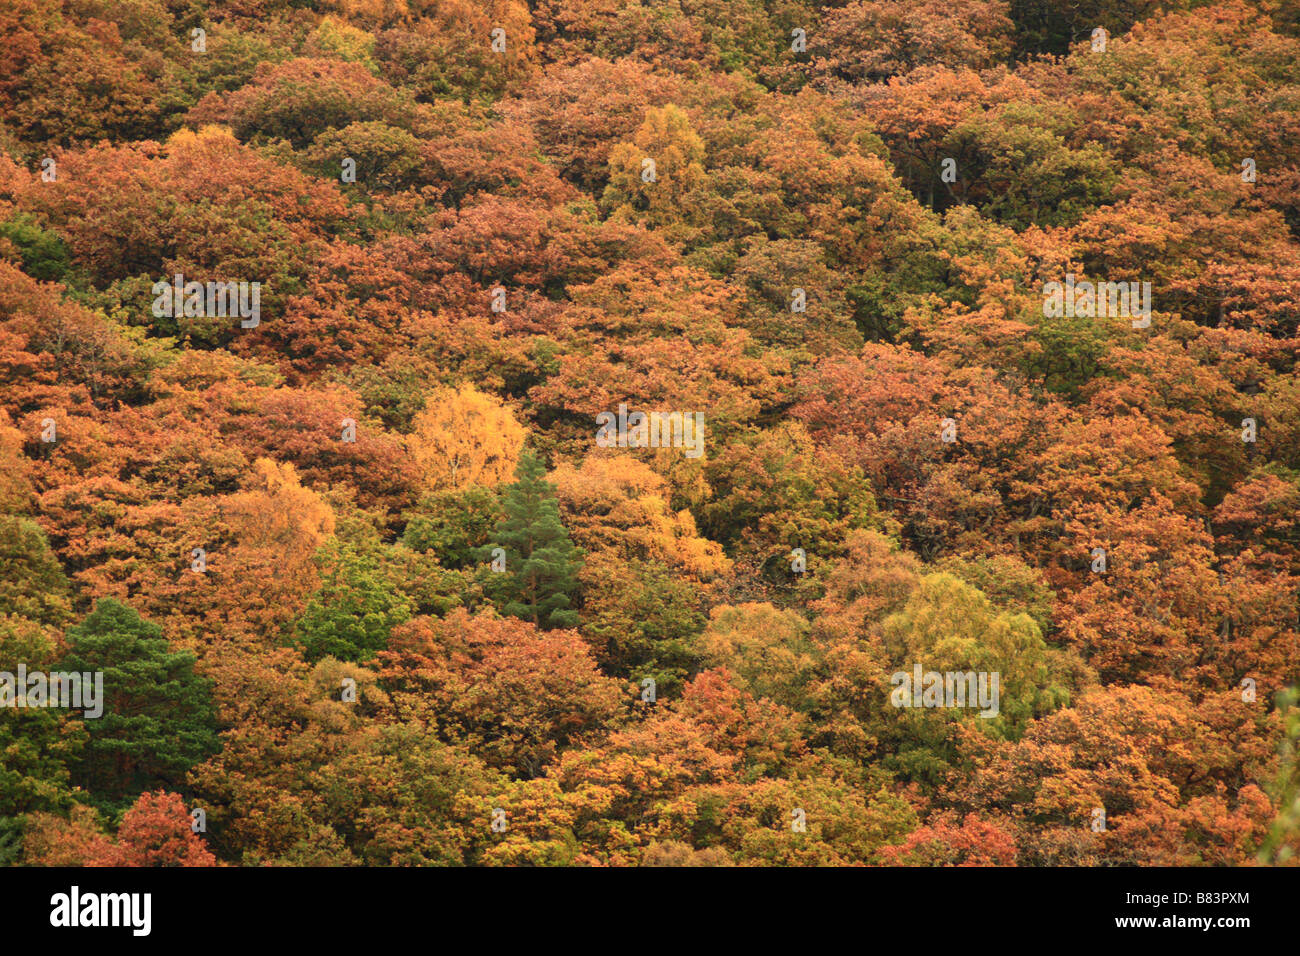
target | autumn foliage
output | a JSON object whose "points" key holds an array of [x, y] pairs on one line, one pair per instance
{"points": [[367, 586]]}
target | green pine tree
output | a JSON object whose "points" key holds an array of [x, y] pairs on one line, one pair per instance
{"points": [[539, 583], [157, 720]]}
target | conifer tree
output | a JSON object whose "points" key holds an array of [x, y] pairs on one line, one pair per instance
{"points": [[157, 720], [539, 582]]}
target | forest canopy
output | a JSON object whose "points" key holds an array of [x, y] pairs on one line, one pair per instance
{"points": [[615, 432]]}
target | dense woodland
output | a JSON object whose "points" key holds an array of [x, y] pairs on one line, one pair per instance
{"points": [[363, 585]]}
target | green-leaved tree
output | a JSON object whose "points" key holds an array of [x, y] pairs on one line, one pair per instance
{"points": [[353, 613]]}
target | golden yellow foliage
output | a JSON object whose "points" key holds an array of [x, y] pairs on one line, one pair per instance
{"points": [[463, 438], [620, 503], [185, 137], [276, 513], [652, 177]]}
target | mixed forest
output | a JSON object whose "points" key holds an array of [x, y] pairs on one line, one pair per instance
{"points": [[365, 586]]}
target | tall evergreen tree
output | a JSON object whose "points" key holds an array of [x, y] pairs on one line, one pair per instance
{"points": [[539, 582], [157, 720]]}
